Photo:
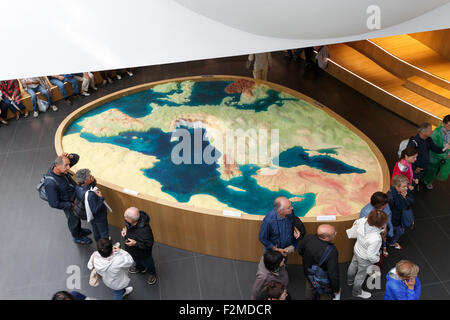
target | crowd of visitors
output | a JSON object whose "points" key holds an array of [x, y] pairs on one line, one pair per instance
{"points": [[382, 222]]}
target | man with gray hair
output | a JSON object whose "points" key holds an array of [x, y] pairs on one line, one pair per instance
{"points": [[424, 144], [277, 231], [60, 189], [94, 203], [138, 237]]}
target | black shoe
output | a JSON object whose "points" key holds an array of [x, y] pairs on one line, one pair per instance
{"points": [[82, 240], [68, 101], [134, 270], [85, 232]]}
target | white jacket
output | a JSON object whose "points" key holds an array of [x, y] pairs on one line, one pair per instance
{"points": [[368, 241], [114, 269]]}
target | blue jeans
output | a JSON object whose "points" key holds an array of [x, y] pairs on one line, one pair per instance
{"points": [[32, 93], [74, 223], [100, 228], [148, 263], [118, 294], [62, 88], [398, 232], [11, 107]]}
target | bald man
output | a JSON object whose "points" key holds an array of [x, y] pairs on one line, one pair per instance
{"points": [[138, 238], [277, 231], [312, 249]]}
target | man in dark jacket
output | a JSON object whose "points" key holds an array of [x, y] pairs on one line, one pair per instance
{"points": [[96, 210], [312, 249], [139, 242], [61, 192], [400, 199], [424, 144]]}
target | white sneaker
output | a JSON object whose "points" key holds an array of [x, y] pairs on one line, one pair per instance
{"points": [[364, 295], [128, 290], [35, 114], [130, 73], [95, 88], [86, 94], [118, 77], [54, 108]]}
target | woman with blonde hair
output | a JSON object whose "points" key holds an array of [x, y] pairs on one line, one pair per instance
{"points": [[400, 202]]}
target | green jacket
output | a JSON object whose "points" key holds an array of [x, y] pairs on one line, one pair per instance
{"points": [[439, 141]]}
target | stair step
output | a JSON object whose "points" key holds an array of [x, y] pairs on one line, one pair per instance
{"points": [[429, 90]]}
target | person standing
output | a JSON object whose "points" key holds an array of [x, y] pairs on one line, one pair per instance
{"points": [[404, 165], [271, 267], [139, 242], [424, 144], [402, 282], [95, 207], [379, 201], [439, 165], [262, 62], [35, 85], [111, 263], [277, 231], [312, 250], [60, 190], [400, 202], [366, 250]]}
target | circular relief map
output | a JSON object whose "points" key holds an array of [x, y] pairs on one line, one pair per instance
{"points": [[227, 144]]}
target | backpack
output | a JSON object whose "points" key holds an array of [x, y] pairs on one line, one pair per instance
{"points": [[40, 187], [404, 144], [319, 277], [79, 208]]}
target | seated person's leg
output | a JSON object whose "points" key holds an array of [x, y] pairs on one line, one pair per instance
{"points": [[3, 112], [74, 82], [61, 87], [11, 107], [33, 97], [42, 90], [91, 80]]}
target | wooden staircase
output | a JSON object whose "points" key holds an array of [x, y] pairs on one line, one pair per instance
{"points": [[398, 72]]}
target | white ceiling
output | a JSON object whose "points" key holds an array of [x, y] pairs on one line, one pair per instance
{"points": [[53, 36]]}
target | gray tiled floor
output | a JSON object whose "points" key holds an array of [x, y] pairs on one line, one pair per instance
{"points": [[37, 248]]}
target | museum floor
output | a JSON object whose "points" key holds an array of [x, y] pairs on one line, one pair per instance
{"points": [[37, 249]]}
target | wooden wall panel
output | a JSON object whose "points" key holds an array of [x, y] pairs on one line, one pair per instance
{"points": [[438, 40]]}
